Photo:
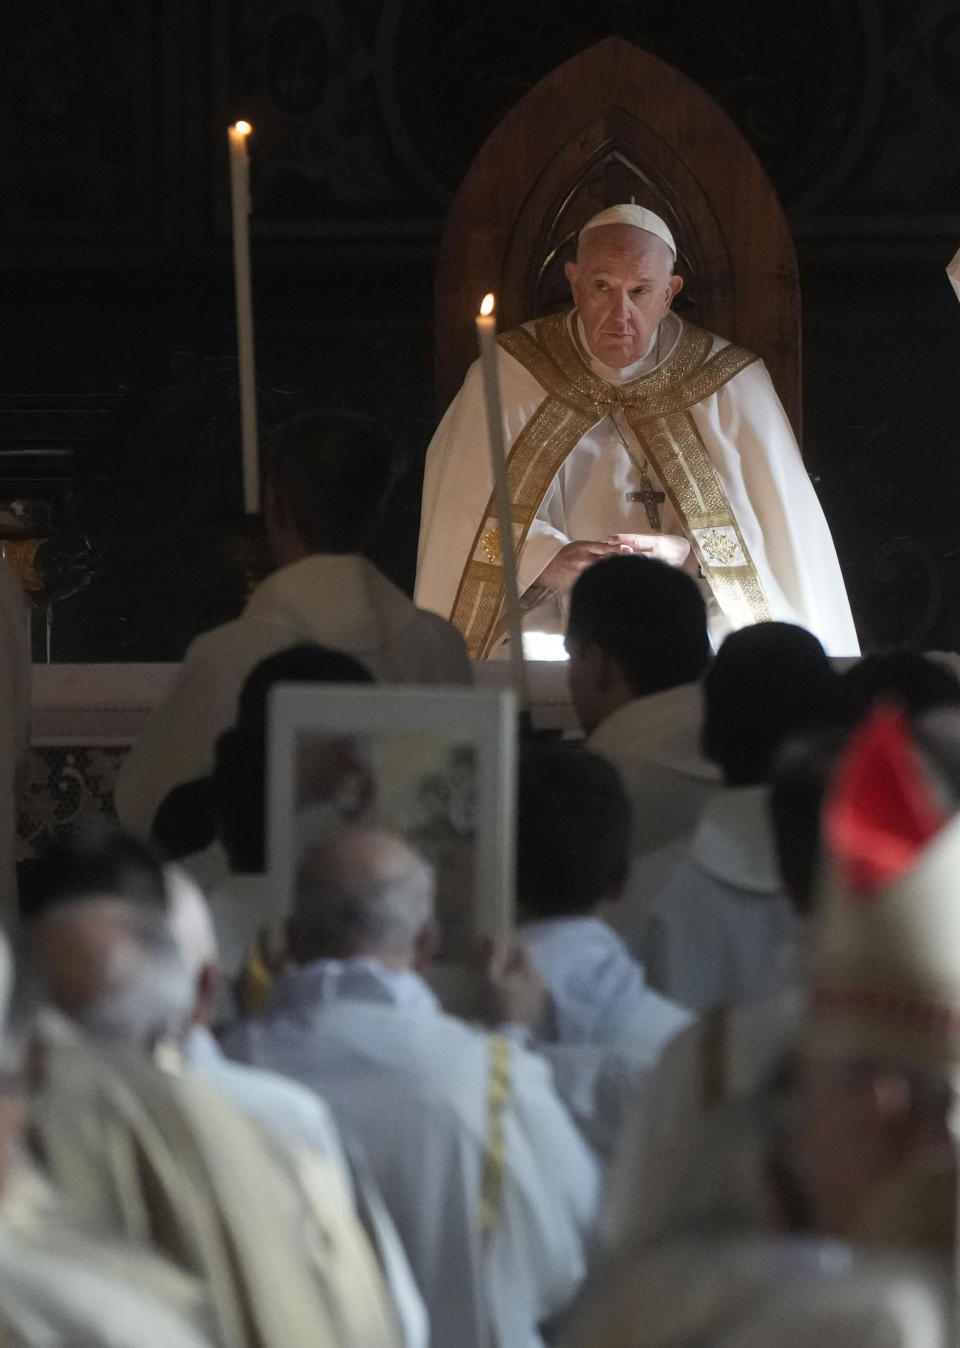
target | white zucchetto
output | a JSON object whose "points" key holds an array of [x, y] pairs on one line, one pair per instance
{"points": [[638, 216]]}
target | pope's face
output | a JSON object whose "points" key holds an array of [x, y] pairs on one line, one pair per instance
{"points": [[622, 287]]}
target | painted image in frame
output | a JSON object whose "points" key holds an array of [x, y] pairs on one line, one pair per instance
{"points": [[434, 765]]}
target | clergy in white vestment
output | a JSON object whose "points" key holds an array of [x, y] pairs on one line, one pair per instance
{"points": [[283, 1108], [627, 428], [160, 1155], [65, 1280], [693, 1137], [865, 1154], [638, 646], [14, 728], [723, 928], [328, 480], [665, 1165], [491, 1187], [605, 1028]]}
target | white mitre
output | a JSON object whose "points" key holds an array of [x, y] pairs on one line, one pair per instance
{"points": [[887, 969], [639, 217], [886, 986]]}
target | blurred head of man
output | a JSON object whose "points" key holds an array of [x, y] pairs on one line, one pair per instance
{"points": [[637, 626], [573, 832], [113, 967], [329, 477], [768, 682], [622, 284], [94, 857], [239, 779], [363, 892]]}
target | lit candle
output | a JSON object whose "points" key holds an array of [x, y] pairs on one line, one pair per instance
{"points": [[487, 337], [240, 198]]}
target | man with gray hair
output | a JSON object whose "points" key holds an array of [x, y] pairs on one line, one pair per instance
{"points": [[114, 968], [491, 1187], [264, 1220], [285, 1109], [65, 1279], [628, 429]]}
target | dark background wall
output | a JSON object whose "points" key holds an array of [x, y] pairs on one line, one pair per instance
{"points": [[117, 283]]}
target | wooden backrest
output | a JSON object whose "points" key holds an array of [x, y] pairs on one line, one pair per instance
{"points": [[611, 124]]}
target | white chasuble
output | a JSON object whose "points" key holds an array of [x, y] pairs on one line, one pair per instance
{"points": [[696, 423]]}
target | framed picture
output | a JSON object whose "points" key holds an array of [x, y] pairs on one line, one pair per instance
{"points": [[435, 765]]}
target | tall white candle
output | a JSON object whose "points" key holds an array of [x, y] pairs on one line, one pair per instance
{"points": [[487, 338], [240, 199]]}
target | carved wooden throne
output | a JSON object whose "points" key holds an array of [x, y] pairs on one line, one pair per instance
{"points": [[611, 124]]}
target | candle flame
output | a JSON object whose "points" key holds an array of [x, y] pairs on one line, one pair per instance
{"points": [[244, 128], [486, 308]]}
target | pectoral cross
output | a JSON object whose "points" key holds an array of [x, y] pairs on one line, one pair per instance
{"points": [[650, 499]]}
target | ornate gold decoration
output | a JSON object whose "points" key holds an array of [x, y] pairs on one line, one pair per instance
{"points": [[696, 493], [490, 542], [21, 553], [687, 375], [655, 407], [719, 547], [495, 1147]]}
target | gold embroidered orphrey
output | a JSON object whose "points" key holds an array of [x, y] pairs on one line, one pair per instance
{"points": [[657, 409]]}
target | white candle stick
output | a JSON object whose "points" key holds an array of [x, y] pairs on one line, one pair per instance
{"points": [[240, 199], [487, 338]]}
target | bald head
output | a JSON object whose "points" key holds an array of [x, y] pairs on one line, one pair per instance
{"points": [[622, 284], [363, 892]]}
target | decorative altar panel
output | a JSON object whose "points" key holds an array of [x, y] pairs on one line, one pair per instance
{"points": [[85, 717], [83, 720]]}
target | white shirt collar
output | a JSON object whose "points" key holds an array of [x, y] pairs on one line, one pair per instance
{"points": [[664, 727], [734, 839], [363, 978], [595, 984]]}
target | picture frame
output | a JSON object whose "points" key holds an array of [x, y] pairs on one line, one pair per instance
{"points": [[436, 765]]}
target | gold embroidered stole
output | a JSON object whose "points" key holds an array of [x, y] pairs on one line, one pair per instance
{"points": [[657, 409], [495, 1146]]}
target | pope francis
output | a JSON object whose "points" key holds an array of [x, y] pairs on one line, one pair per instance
{"points": [[627, 429]]}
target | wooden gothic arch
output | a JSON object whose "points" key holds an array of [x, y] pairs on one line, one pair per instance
{"points": [[611, 124]]}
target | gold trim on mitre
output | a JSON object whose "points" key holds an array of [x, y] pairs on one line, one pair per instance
{"points": [[656, 407]]}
